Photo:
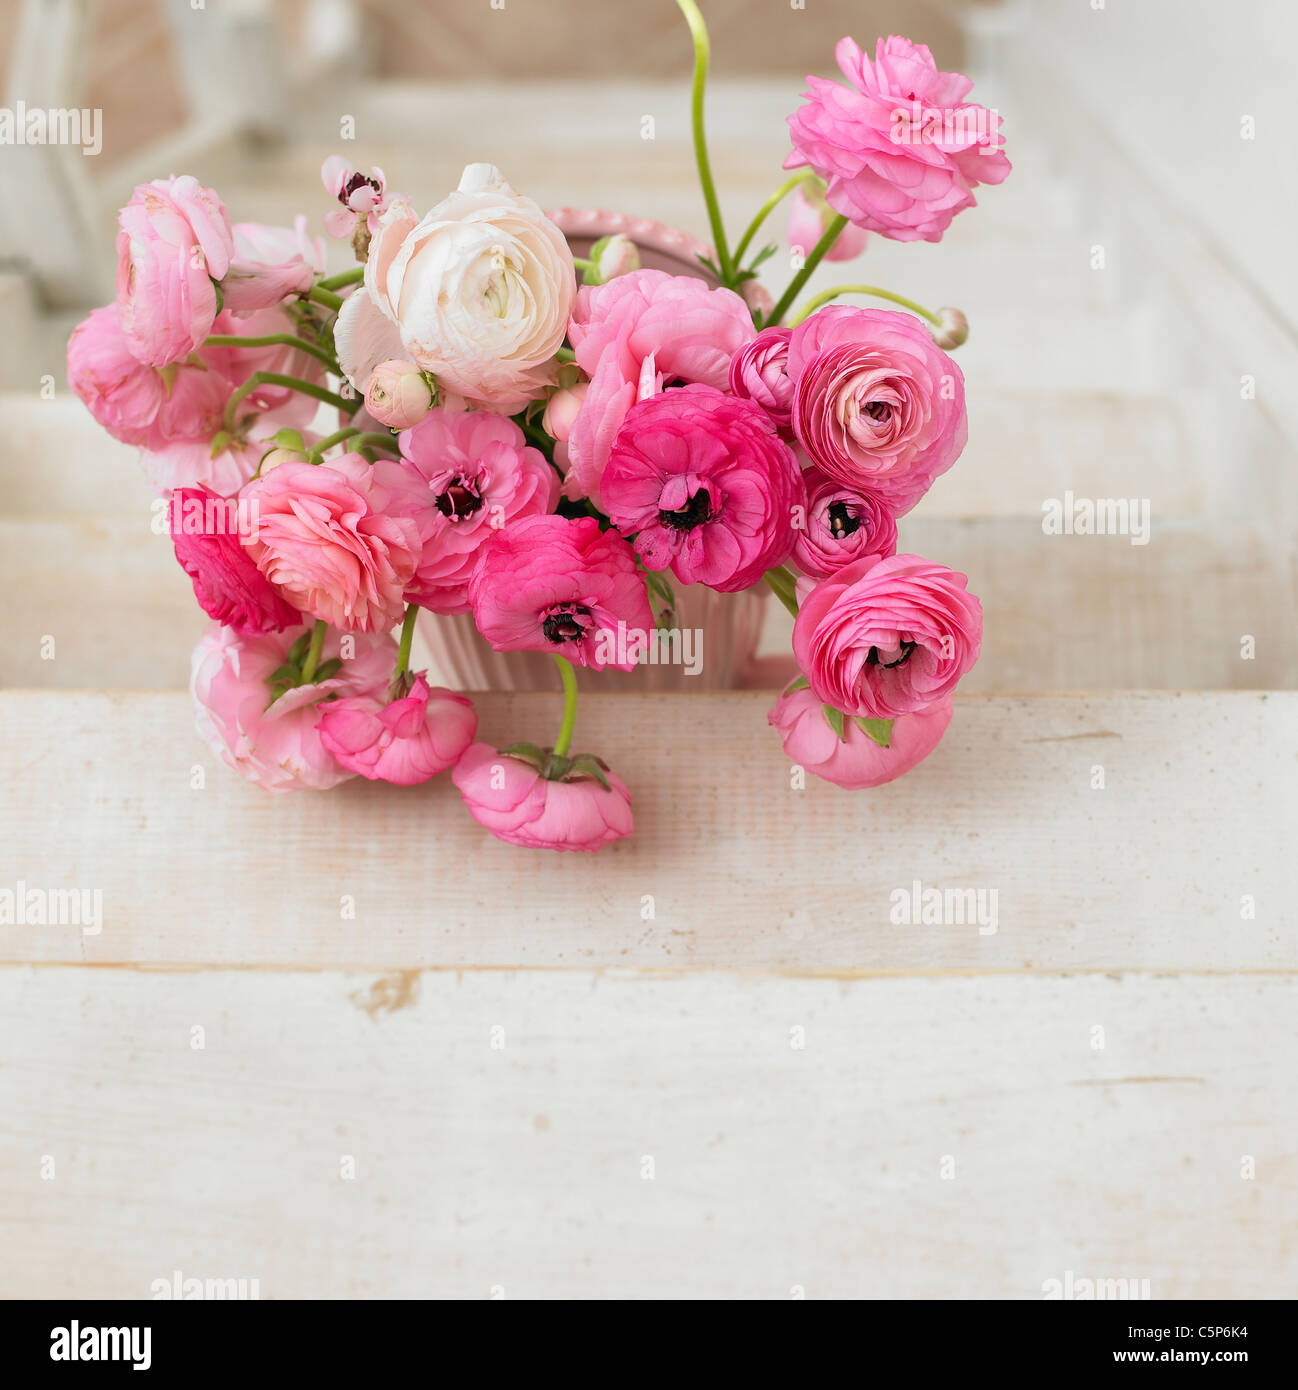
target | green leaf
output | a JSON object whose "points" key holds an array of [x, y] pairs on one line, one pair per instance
{"points": [[527, 753], [797, 683], [326, 670], [834, 718], [764, 254], [710, 266], [588, 765], [880, 730], [297, 652]]}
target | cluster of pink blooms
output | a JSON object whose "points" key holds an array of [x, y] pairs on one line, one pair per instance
{"points": [[540, 443]]}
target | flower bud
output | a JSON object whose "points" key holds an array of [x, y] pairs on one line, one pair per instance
{"points": [[809, 219], [561, 411], [954, 330], [612, 256], [398, 395]]}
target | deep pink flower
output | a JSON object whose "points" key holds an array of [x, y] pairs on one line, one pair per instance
{"points": [[856, 760], [518, 805], [876, 403], [405, 741], [174, 240], [708, 485], [326, 541], [276, 744], [760, 371], [842, 524], [228, 585], [809, 219], [549, 584], [463, 475], [646, 325], [900, 149], [886, 637]]}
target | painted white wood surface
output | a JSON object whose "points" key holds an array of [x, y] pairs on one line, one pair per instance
{"points": [[1151, 872], [520, 1168]]}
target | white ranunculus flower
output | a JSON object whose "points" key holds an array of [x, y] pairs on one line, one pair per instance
{"points": [[479, 293]]}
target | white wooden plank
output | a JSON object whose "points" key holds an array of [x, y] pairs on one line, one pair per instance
{"points": [[520, 1168], [1181, 861]]}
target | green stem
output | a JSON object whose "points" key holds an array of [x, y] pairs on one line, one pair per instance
{"points": [[825, 296], [320, 295], [583, 264], [407, 637], [314, 650], [565, 354], [373, 440], [819, 251], [271, 340], [782, 585], [348, 277], [768, 207], [307, 388], [564, 741], [699, 33], [316, 452]]}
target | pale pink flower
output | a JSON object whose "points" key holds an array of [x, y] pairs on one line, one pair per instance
{"points": [[855, 760], [363, 197], [406, 740], [900, 149], [707, 484], [275, 743], [174, 240], [398, 395], [518, 805], [842, 524], [562, 409], [270, 264], [327, 542], [809, 219], [668, 327]]}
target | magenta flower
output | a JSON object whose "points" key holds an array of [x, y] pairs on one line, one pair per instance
{"points": [[269, 738], [511, 798], [174, 240], [900, 149], [404, 741], [707, 484], [885, 637], [462, 477], [841, 526], [876, 403], [855, 761], [326, 540], [227, 584], [633, 333], [548, 584], [760, 372]]}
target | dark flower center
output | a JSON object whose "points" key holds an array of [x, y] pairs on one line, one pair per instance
{"points": [[878, 410], [565, 625], [874, 659], [694, 513], [462, 498], [843, 522], [356, 181]]}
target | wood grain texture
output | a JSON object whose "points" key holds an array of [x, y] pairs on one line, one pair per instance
{"points": [[1150, 873], [518, 1166]]}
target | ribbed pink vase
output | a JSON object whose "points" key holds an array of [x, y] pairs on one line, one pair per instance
{"points": [[725, 627]]}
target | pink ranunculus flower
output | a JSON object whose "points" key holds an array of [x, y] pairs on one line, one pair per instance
{"points": [[363, 197], [277, 744], [326, 540], [900, 149], [174, 240], [760, 371], [228, 585], [672, 325], [518, 805], [885, 637], [398, 395], [562, 409], [708, 485], [809, 219], [462, 476], [478, 293], [550, 584], [404, 741], [270, 264], [842, 524], [855, 761], [877, 404]]}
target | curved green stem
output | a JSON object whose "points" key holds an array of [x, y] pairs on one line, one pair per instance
{"points": [[307, 388], [320, 295], [316, 452], [564, 741], [583, 264], [407, 637], [783, 586], [825, 296], [271, 340], [768, 207], [347, 277], [818, 254], [373, 440], [699, 33], [314, 650]]}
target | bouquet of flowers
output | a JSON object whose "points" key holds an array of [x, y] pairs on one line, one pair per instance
{"points": [[551, 443]]}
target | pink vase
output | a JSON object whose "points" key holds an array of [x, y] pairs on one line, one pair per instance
{"points": [[722, 630]]}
